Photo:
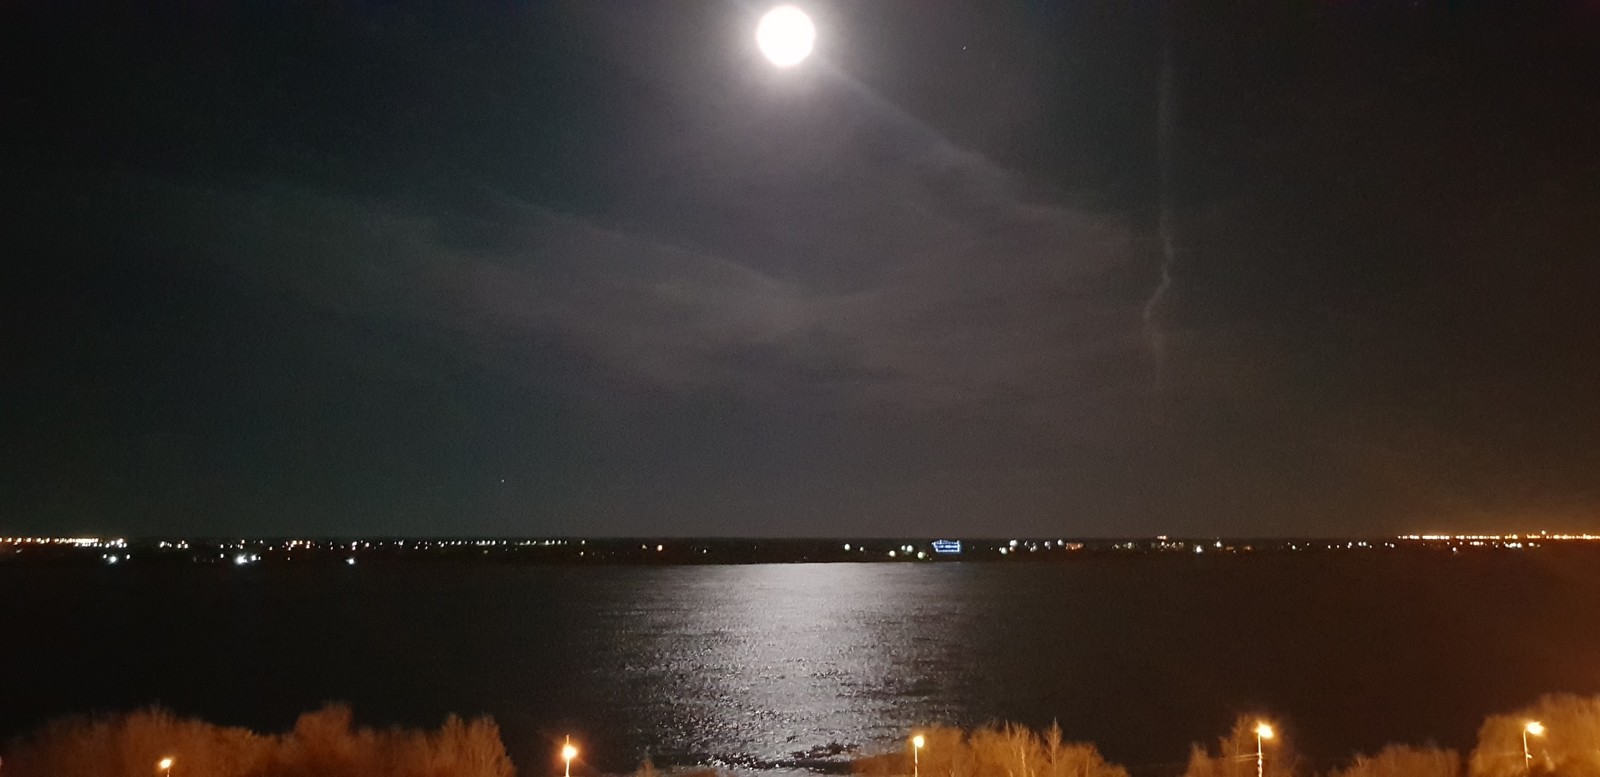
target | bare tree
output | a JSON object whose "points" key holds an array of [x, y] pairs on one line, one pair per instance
{"points": [[1236, 755], [1005, 751], [324, 743], [1405, 761]]}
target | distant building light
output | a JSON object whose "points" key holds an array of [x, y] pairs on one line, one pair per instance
{"points": [[947, 546]]}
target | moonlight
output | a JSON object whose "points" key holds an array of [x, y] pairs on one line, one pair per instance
{"points": [[786, 35]]}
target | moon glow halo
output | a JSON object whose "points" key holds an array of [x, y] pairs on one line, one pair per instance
{"points": [[786, 36]]}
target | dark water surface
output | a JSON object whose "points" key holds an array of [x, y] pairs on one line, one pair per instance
{"points": [[744, 665]]}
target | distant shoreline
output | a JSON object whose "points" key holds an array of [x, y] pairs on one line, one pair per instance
{"points": [[672, 551]]}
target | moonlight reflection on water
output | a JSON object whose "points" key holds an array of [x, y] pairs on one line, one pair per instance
{"points": [[748, 665]]}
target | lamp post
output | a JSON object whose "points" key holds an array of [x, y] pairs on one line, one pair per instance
{"points": [[1535, 728], [569, 751], [1263, 731], [916, 755], [165, 765]]}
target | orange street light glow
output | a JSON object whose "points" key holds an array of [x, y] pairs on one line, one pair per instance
{"points": [[569, 751], [1263, 732]]}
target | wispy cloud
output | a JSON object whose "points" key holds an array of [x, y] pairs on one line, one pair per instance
{"points": [[983, 302]]}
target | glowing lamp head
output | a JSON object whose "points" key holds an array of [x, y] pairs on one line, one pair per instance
{"points": [[1534, 727], [917, 741], [164, 764], [1263, 730], [786, 36], [569, 751]]}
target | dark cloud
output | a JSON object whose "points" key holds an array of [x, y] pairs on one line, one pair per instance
{"points": [[351, 275]]}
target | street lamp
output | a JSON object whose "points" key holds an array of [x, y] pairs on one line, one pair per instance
{"points": [[569, 752], [916, 755], [1535, 728], [165, 765], [1263, 731]]}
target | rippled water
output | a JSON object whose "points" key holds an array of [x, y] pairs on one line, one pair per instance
{"points": [[750, 666]]}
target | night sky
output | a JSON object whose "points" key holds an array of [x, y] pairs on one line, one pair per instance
{"points": [[599, 268]]}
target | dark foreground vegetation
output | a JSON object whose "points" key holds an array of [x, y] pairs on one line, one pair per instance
{"points": [[322, 744], [1569, 745], [325, 743]]}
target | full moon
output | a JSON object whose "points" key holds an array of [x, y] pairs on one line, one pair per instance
{"points": [[786, 35]]}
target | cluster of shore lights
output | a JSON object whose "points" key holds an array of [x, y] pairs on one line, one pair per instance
{"points": [[1501, 537], [1017, 546], [75, 542]]}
